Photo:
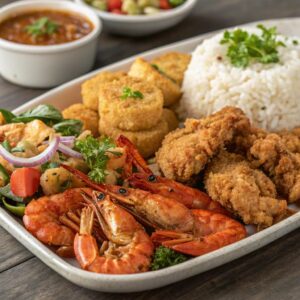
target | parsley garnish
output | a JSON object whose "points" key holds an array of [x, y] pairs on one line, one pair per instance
{"points": [[295, 42], [244, 48], [42, 26], [129, 93], [94, 152], [165, 257]]}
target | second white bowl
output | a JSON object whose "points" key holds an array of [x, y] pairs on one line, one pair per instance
{"points": [[141, 25]]}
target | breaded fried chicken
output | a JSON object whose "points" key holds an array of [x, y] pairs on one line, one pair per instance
{"points": [[291, 139], [186, 151], [245, 139], [246, 192], [281, 165]]}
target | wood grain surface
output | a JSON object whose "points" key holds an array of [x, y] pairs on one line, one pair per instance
{"points": [[270, 273]]}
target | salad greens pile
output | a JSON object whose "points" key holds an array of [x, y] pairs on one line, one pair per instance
{"points": [[244, 48], [49, 115]]}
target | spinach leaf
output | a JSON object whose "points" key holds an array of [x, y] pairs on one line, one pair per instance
{"points": [[44, 112], [69, 127], [7, 115]]}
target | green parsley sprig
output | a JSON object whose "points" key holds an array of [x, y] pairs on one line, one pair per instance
{"points": [[165, 257], [42, 26], [129, 93], [244, 48], [94, 152]]}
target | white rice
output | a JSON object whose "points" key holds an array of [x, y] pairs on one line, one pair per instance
{"points": [[268, 93]]}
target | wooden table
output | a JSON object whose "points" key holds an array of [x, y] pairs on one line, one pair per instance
{"points": [[272, 272]]}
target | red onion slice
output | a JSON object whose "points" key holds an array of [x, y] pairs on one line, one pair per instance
{"points": [[32, 161], [69, 138], [68, 151]]}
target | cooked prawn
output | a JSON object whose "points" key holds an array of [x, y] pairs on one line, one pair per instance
{"points": [[211, 232], [171, 218], [146, 180], [44, 217], [128, 249]]}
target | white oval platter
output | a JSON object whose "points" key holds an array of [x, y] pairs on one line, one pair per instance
{"points": [[69, 93]]}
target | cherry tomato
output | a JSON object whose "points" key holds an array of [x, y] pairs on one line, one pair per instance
{"points": [[164, 4], [114, 4], [24, 182]]}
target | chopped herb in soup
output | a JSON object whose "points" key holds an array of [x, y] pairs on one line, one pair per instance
{"points": [[47, 27]]}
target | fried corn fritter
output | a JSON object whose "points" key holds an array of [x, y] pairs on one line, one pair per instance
{"points": [[147, 72], [147, 141], [186, 151], [173, 64], [171, 119], [281, 165], [130, 104], [246, 192], [87, 116], [90, 88]]}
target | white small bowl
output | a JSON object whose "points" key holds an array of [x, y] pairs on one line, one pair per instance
{"points": [[141, 25], [48, 66]]}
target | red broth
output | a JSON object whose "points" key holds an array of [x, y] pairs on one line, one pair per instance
{"points": [[45, 27]]}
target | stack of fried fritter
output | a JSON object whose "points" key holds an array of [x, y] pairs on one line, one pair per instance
{"points": [[145, 120], [253, 173]]}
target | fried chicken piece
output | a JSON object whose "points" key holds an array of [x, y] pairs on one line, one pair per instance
{"points": [[186, 151], [246, 192], [245, 139], [291, 139], [281, 165]]}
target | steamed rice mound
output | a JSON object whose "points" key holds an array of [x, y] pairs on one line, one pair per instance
{"points": [[268, 93]]}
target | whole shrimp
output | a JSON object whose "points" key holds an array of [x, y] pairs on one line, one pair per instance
{"points": [[146, 180], [128, 249], [45, 218], [193, 232]]}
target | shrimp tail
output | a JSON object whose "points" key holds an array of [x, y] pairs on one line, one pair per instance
{"points": [[135, 157], [212, 231]]}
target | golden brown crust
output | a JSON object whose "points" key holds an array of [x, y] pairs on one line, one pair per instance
{"points": [[283, 166], [90, 88], [173, 64], [171, 119], [130, 114], [186, 151], [248, 193], [147, 141], [143, 70], [87, 116], [291, 139]]}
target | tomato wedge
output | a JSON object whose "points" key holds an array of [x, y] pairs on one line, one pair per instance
{"points": [[114, 4], [164, 4], [24, 182]]}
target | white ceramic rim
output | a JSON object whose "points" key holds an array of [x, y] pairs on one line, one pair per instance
{"points": [[33, 5], [185, 7]]}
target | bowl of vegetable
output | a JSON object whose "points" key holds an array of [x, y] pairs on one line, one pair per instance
{"points": [[139, 17], [41, 40]]}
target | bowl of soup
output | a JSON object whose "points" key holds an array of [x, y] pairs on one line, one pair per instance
{"points": [[46, 43]]}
